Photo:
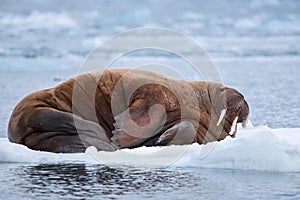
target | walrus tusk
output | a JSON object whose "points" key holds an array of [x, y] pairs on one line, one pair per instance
{"points": [[233, 126], [222, 115]]}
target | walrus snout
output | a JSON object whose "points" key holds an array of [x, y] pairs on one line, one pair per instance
{"points": [[236, 106], [229, 104]]}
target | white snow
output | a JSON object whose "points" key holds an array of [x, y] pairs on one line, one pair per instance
{"points": [[258, 148]]}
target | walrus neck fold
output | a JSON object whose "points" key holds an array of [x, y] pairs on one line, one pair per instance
{"points": [[202, 95]]}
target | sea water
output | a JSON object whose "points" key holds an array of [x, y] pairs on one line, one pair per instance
{"points": [[254, 44]]}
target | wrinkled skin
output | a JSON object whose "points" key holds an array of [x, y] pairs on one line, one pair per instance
{"points": [[124, 108]]}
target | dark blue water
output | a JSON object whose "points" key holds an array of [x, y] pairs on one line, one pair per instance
{"points": [[77, 181], [255, 45]]}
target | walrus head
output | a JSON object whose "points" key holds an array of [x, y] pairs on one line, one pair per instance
{"points": [[229, 107]]}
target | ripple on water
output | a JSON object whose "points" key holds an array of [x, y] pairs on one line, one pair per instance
{"points": [[79, 181]]}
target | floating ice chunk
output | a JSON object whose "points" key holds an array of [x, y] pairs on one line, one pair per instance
{"points": [[259, 148], [16, 153]]}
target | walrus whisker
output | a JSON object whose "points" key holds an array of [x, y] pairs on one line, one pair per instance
{"points": [[222, 115], [244, 123]]}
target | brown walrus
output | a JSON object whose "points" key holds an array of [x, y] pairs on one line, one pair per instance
{"points": [[123, 108]]}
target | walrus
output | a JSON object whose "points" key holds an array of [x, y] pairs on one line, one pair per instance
{"points": [[126, 108]]}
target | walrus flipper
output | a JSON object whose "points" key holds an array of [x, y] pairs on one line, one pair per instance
{"points": [[181, 133], [59, 131], [57, 142], [136, 124]]}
